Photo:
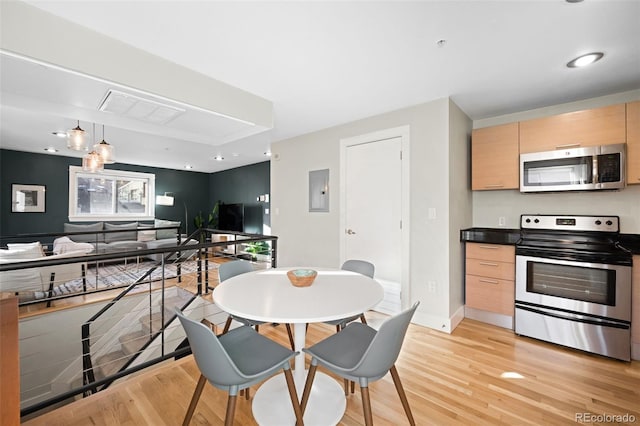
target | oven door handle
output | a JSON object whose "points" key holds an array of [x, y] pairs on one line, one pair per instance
{"points": [[574, 317]]}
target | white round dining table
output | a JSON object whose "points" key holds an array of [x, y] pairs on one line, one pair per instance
{"points": [[268, 295]]}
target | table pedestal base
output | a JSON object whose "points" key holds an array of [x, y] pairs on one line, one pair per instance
{"points": [[272, 404]]}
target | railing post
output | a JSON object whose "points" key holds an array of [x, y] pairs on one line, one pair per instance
{"points": [[87, 368], [274, 253]]}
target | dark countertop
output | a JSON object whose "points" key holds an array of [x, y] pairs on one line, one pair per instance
{"points": [[506, 236], [630, 242], [490, 235]]}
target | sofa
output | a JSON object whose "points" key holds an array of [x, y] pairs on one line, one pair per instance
{"points": [[27, 283], [119, 237]]}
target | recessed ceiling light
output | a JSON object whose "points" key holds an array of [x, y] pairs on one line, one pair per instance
{"points": [[51, 149], [188, 167], [441, 42], [218, 158], [574, 1], [60, 134], [585, 59]]}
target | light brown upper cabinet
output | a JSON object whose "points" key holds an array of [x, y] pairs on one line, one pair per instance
{"points": [[598, 126], [495, 158], [633, 142]]}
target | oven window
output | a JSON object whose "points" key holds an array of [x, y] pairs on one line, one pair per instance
{"points": [[572, 282]]}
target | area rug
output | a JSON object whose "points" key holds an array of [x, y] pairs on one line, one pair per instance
{"points": [[121, 275]]}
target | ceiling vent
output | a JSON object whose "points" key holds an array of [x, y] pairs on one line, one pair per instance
{"points": [[131, 106]]}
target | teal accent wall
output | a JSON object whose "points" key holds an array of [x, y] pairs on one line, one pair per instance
{"points": [[244, 185], [190, 189]]}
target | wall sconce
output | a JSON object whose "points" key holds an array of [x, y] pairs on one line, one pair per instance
{"points": [[165, 200]]}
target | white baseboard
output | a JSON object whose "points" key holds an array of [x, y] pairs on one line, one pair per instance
{"points": [[444, 324]]}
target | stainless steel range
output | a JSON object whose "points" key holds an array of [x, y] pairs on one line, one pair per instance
{"points": [[573, 283]]}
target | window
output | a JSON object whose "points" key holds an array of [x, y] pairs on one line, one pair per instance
{"points": [[110, 195]]}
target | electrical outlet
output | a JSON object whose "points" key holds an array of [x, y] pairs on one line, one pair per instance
{"points": [[502, 221]]}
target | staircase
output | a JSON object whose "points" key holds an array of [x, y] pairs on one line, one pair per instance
{"points": [[138, 336]]}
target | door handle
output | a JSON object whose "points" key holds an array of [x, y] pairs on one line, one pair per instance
{"points": [[349, 232]]}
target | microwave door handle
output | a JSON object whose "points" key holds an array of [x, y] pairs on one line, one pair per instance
{"points": [[596, 176]]}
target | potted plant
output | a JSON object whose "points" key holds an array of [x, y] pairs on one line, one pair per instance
{"points": [[212, 220], [259, 250]]}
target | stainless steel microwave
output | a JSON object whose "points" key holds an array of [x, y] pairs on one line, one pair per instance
{"points": [[578, 169]]}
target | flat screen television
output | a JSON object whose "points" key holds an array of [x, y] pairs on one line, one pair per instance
{"points": [[231, 217]]}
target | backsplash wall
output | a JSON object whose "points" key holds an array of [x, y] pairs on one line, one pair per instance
{"points": [[489, 206]]}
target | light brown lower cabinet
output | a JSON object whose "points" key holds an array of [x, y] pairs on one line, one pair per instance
{"points": [[635, 309], [490, 283]]}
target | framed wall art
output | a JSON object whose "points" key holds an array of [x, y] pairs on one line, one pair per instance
{"points": [[27, 198]]}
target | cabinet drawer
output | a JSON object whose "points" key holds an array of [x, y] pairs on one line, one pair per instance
{"points": [[488, 294], [494, 252], [635, 301], [491, 269]]}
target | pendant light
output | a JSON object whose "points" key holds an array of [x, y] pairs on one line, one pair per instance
{"points": [[76, 138], [92, 162], [105, 150]]}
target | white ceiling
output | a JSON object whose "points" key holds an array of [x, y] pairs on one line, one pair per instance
{"points": [[327, 63]]}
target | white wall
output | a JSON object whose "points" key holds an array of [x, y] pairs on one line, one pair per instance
{"points": [[489, 205], [460, 205], [313, 238]]}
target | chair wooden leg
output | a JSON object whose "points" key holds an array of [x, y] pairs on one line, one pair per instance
{"points": [[307, 387], [294, 396], [338, 328], [257, 327], [346, 387], [363, 319], [231, 410], [290, 334], [366, 406], [403, 396], [353, 387], [227, 325], [194, 400]]}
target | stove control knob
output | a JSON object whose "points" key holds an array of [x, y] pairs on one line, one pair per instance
{"points": [[609, 223], [598, 222], [536, 220], [528, 220]]}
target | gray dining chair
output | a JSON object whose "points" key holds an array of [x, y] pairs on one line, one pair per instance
{"points": [[360, 353], [234, 361], [231, 269], [361, 267]]}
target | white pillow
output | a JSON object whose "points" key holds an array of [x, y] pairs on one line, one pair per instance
{"points": [[32, 249], [64, 245], [146, 235], [12, 255]]}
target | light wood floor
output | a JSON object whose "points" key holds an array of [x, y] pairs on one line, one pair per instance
{"points": [[479, 374]]}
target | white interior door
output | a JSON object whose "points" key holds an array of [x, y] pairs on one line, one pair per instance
{"points": [[372, 212]]}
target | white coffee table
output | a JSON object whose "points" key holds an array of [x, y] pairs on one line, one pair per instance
{"points": [[267, 295]]}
